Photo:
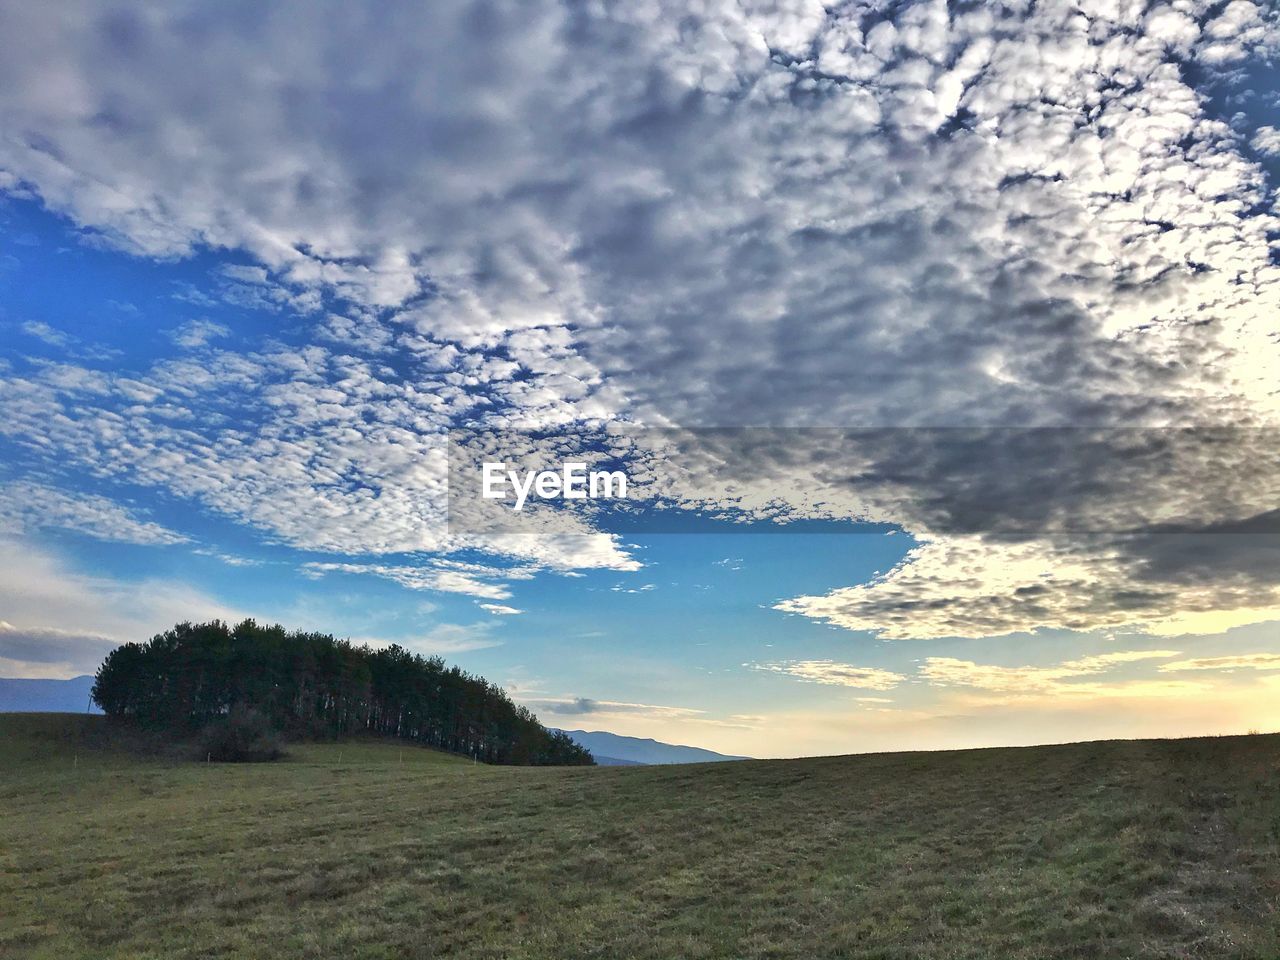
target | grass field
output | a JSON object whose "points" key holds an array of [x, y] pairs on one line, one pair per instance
{"points": [[1119, 849]]}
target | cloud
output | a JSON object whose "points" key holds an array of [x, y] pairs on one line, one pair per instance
{"points": [[1070, 679], [621, 709], [971, 586], [1023, 215], [643, 588], [569, 706], [1244, 661], [571, 221], [329, 455], [26, 506], [231, 560], [1267, 141], [42, 652], [42, 331], [473, 580], [442, 639], [499, 609], [198, 333], [60, 623], [1059, 680], [837, 674]]}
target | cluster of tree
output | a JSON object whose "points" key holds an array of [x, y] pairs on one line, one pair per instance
{"points": [[312, 685]]}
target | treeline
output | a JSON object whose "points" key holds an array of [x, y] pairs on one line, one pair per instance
{"points": [[312, 685]]}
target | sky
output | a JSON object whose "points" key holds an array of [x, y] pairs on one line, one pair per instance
{"points": [[941, 341]]}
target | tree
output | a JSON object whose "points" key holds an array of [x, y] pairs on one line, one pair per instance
{"points": [[313, 685]]}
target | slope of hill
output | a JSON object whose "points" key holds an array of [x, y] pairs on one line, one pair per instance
{"points": [[46, 696], [1122, 849], [638, 750]]}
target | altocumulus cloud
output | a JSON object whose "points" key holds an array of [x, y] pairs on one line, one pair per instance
{"points": [[751, 214], [26, 506]]}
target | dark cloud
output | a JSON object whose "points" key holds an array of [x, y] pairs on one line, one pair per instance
{"points": [[44, 646]]}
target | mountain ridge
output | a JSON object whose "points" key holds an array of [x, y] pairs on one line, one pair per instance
{"points": [[606, 746], [26, 695]]}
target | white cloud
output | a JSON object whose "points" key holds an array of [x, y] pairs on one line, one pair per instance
{"points": [[230, 559], [976, 587], [442, 639], [837, 674], [473, 580], [26, 506], [60, 623], [198, 333], [42, 331], [500, 610], [1267, 141]]}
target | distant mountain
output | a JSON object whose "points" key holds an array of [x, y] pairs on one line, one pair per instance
{"points": [[610, 749], [46, 696]]}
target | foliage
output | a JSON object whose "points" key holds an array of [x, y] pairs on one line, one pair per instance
{"points": [[312, 685], [244, 735]]}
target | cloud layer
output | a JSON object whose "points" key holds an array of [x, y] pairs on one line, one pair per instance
{"points": [[746, 214]]}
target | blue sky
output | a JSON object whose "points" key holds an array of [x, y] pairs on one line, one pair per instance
{"points": [[255, 263]]}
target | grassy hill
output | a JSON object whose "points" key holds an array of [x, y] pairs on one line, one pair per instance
{"points": [[369, 850]]}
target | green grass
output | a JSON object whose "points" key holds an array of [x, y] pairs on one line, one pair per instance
{"points": [[360, 850]]}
